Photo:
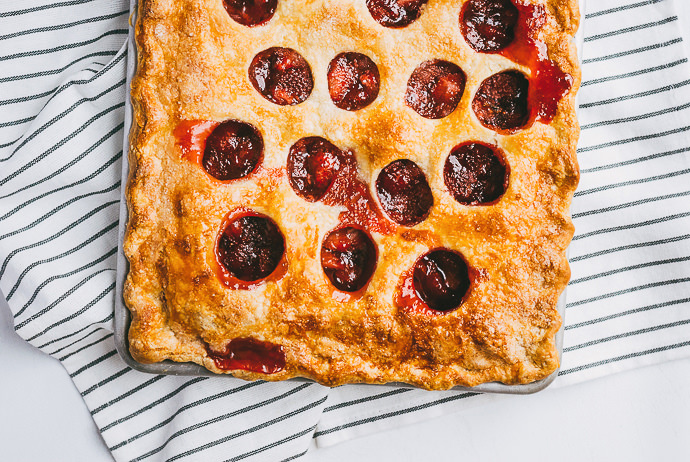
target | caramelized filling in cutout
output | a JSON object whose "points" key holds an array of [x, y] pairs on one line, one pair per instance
{"points": [[250, 355]]}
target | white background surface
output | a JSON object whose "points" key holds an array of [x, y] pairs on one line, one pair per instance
{"points": [[641, 415]]}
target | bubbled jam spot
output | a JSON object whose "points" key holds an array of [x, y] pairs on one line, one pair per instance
{"points": [[348, 258], [251, 13], [488, 25], [475, 174], [438, 282], [435, 88], [353, 81], [282, 76], [250, 248], [501, 101], [395, 13], [250, 355], [404, 192], [312, 166], [233, 150]]}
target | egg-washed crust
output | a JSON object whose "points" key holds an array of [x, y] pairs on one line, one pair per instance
{"points": [[192, 64]]}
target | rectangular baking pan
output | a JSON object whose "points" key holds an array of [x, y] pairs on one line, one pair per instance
{"points": [[122, 314]]}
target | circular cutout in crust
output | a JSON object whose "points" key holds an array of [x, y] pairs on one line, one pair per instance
{"points": [[313, 164], [441, 279], [233, 150], [250, 246], [395, 13], [348, 258], [353, 81], [501, 101], [282, 76], [251, 13], [488, 25], [404, 193], [435, 88], [475, 173]]}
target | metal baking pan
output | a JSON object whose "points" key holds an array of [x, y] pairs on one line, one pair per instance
{"points": [[122, 314]]}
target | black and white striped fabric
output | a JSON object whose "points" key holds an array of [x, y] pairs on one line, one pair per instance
{"points": [[62, 93]]}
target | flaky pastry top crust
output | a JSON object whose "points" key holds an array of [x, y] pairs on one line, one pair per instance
{"points": [[192, 65]]}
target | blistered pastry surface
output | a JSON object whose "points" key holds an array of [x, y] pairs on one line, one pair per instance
{"points": [[192, 65]]}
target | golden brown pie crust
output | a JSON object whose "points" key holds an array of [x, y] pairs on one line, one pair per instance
{"points": [[192, 64]]}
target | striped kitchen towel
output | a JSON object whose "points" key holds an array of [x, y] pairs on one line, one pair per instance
{"points": [[62, 93]]}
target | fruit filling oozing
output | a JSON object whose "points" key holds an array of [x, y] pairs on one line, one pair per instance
{"points": [[404, 193], [395, 13], [475, 174], [348, 258], [251, 13], [250, 355], [435, 88], [250, 246], [233, 150], [317, 170], [353, 81], [511, 28], [190, 137], [282, 76]]}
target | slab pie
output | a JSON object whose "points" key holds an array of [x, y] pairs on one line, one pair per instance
{"points": [[352, 190]]}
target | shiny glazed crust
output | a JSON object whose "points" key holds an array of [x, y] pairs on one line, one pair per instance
{"points": [[192, 64]]}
